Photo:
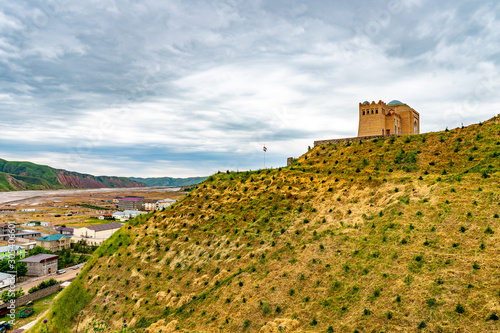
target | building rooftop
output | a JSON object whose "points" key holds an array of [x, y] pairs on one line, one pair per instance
{"points": [[4, 276], [167, 200], [40, 258], [64, 229], [8, 248], [130, 199], [51, 238], [25, 233], [107, 226], [395, 102]]}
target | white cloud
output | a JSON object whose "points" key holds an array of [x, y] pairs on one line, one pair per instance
{"points": [[189, 87]]}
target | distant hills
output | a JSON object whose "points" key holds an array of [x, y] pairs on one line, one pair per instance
{"points": [[169, 181], [15, 176]]}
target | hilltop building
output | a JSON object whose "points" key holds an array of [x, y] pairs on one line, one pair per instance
{"points": [[394, 118]]}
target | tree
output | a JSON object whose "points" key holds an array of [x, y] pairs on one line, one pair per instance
{"points": [[7, 266], [38, 250], [7, 295]]}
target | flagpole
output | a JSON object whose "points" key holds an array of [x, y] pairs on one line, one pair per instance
{"points": [[264, 157]]}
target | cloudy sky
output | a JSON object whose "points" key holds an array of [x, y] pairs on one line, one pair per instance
{"points": [[185, 88]]}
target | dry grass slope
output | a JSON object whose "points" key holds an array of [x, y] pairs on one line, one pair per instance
{"points": [[394, 235]]}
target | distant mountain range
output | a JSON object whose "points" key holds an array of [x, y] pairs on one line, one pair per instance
{"points": [[15, 176], [169, 181]]}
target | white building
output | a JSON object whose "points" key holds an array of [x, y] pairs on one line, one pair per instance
{"points": [[95, 234], [6, 279], [127, 215], [160, 204]]}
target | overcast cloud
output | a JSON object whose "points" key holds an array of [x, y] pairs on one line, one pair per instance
{"points": [[185, 88]]}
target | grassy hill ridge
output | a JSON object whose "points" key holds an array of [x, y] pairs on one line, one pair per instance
{"points": [[396, 234], [30, 176], [169, 181]]}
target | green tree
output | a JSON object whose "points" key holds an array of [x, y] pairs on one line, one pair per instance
{"points": [[7, 266], [7, 295], [38, 250]]}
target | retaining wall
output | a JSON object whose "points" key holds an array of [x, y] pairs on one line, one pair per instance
{"points": [[31, 297], [336, 141]]}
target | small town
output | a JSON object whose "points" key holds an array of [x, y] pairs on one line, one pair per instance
{"points": [[44, 242]]}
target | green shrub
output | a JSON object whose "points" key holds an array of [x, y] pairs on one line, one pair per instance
{"points": [[43, 285]]}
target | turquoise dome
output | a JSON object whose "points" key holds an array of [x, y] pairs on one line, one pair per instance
{"points": [[366, 102], [395, 102]]}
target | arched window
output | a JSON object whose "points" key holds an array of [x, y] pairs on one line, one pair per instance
{"points": [[415, 127], [363, 112], [376, 111]]}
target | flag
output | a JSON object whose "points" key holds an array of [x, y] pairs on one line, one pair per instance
{"points": [[265, 149]]}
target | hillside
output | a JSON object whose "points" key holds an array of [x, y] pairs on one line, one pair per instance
{"points": [[30, 176], [169, 181], [390, 235]]}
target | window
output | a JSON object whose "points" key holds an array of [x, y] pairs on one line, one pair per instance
{"points": [[376, 111], [372, 111], [415, 127], [363, 112]]}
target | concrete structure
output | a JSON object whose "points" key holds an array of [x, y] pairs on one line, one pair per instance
{"points": [[159, 204], [4, 308], [127, 215], [6, 279], [344, 140], [165, 203], [27, 244], [394, 118], [4, 228], [65, 231], [22, 234], [36, 224], [41, 264], [14, 250], [54, 242], [130, 203], [98, 231], [150, 205]]}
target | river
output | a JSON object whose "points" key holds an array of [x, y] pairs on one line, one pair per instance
{"points": [[6, 197]]}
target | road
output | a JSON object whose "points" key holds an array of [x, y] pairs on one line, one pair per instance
{"points": [[70, 274]]}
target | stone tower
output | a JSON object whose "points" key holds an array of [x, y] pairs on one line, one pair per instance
{"points": [[394, 118]]}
